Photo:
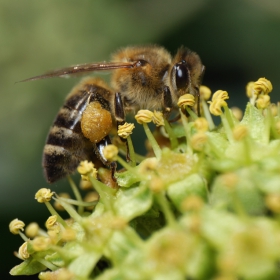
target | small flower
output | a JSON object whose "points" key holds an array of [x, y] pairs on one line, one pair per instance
{"points": [[262, 86], [40, 243], [186, 100], [110, 152], [43, 195], [32, 230], [240, 132], [16, 225], [201, 124], [144, 116], [158, 118], [263, 101], [22, 251], [125, 130], [198, 141], [205, 92]]}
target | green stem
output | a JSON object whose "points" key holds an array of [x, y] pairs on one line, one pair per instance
{"points": [[172, 137], [47, 264], [76, 194], [122, 162], [191, 113], [70, 210], [152, 140], [228, 116], [168, 214], [207, 115], [131, 151], [23, 236], [227, 128], [106, 194]]}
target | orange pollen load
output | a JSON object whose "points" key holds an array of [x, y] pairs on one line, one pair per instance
{"points": [[96, 122]]}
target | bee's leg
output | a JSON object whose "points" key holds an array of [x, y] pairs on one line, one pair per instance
{"points": [[167, 104], [99, 150], [119, 109], [120, 117], [198, 102], [167, 100]]}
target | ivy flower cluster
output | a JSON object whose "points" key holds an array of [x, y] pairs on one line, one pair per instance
{"points": [[203, 204]]}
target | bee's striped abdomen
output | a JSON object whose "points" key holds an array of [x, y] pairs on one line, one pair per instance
{"points": [[66, 145]]}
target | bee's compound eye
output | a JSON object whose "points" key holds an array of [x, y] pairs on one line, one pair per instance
{"points": [[181, 75]]}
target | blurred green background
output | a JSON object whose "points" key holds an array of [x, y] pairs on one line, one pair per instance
{"points": [[238, 41]]}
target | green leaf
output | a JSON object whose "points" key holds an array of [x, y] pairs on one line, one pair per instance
{"points": [[191, 185], [83, 265], [28, 267], [127, 178], [254, 119], [133, 202]]}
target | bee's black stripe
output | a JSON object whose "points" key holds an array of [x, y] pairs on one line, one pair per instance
{"points": [[64, 137], [68, 118]]}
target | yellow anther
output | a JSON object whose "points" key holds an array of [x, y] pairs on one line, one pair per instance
{"points": [[262, 86], [198, 141], [216, 106], [201, 124], [40, 243], [110, 152], [192, 203], [237, 113], [186, 100], [22, 251], [43, 195], [272, 202], [263, 101], [86, 168], [125, 130], [16, 225], [144, 116], [239, 132], [250, 89], [158, 118], [205, 92], [32, 230], [51, 222], [220, 95]]}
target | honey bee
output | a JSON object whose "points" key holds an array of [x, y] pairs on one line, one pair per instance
{"points": [[143, 77]]}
